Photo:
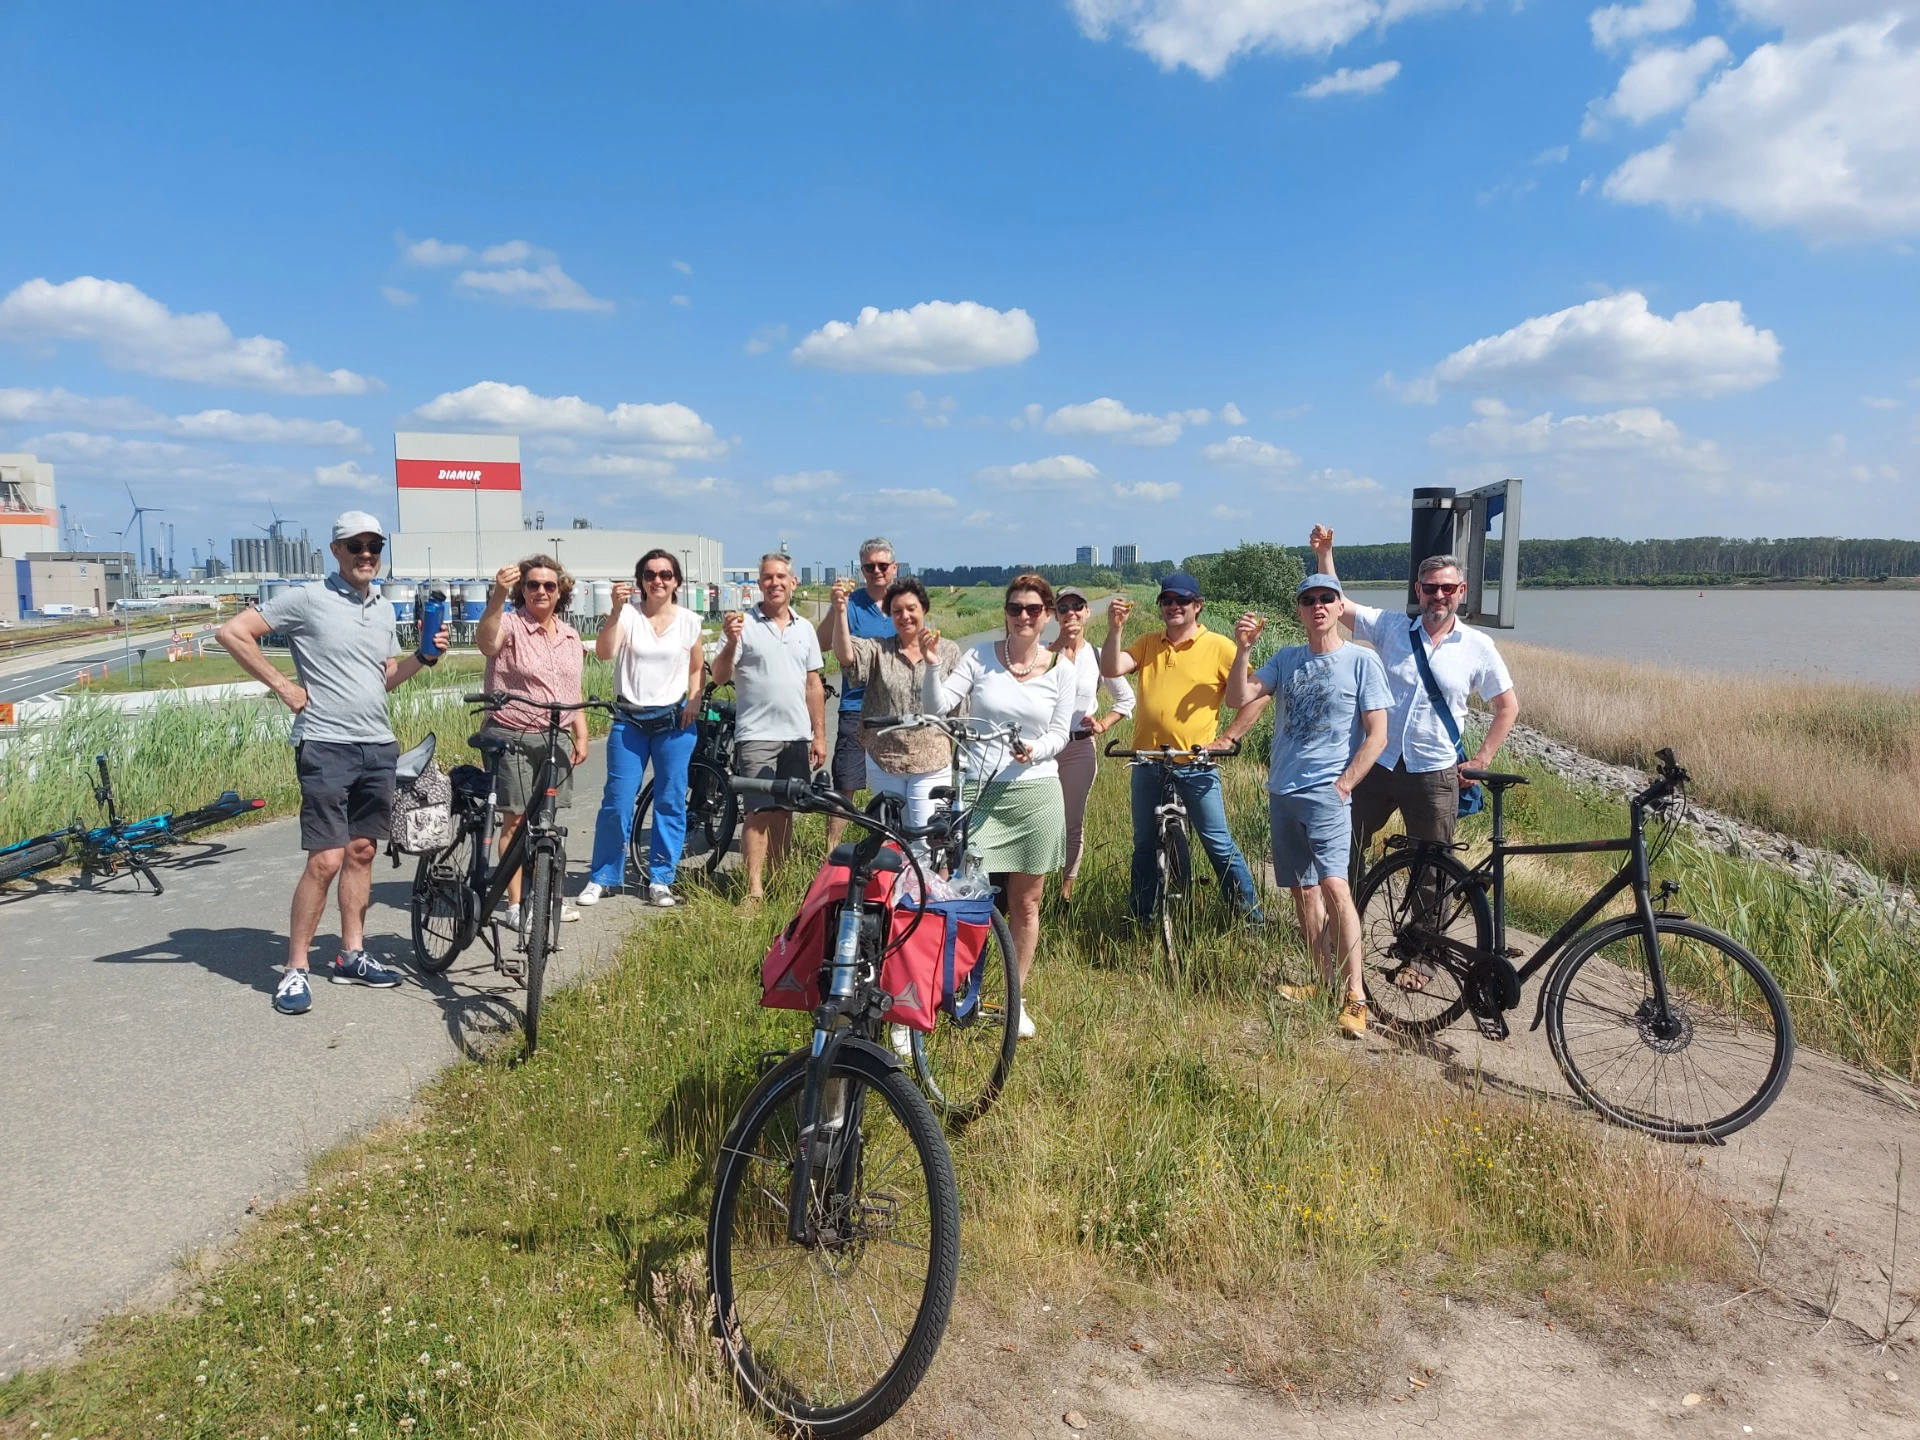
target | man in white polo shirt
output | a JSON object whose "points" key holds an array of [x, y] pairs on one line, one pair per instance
{"points": [[1418, 773], [780, 710]]}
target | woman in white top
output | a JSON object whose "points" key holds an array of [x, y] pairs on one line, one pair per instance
{"points": [[1080, 760], [659, 663], [1019, 818]]}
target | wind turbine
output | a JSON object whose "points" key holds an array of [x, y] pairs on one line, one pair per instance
{"points": [[139, 518]]}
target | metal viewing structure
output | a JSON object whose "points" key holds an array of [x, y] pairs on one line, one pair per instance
{"points": [[1450, 522]]}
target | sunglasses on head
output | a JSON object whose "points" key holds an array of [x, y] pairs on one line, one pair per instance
{"points": [[1427, 588], [364, 547], [660, 575], [876, 567], [1032, 611], [551, 587], [1320, 597]]}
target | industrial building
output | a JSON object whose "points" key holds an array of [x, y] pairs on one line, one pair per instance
{"points": [[69, 581], [29, 515], [459, 506], [279, 555]]}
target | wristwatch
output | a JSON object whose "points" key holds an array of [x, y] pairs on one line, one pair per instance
{"points": [[428, 660]]}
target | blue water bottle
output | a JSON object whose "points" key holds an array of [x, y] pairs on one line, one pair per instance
{"points": [[433, 619]]}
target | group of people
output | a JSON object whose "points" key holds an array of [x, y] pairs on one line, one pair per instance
{"points": [[1359, 733]]}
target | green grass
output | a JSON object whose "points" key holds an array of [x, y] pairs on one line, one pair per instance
{"points": [[522, 1256]]}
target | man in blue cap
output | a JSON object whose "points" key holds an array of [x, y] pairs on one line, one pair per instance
{"points": [[1181, 673], [1331, 727]]}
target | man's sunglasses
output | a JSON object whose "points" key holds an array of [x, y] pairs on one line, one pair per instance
{"points": [[1430, 589], [548, 587], [1071, 607], [364, 547], [876, 567], [1178, 602], [659, 575], [1320, 597], [1032, 612]]}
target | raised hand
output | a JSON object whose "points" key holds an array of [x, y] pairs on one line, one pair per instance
{"points": [[505, 578], [842, 588], [732, 625], [1246, 630], [1118, 609], [622, 593], [929, 644], [1321, 543]]}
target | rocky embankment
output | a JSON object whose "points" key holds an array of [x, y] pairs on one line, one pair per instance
{"points": [[1723, 832]]}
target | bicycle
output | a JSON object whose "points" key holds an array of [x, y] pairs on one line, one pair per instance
{"points": [[455, 890], [833, 1244], [963, 1064], [1635, 1007], [119, 846], [713, 810], [1173, 845]]}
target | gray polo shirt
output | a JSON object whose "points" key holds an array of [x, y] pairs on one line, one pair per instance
{"points": [[341, 644], [770, 678]]}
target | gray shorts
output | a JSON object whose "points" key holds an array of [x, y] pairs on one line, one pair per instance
{"points": [[1312, 836], [346, 792], [768, 760], [520, 762], [849, 760]]}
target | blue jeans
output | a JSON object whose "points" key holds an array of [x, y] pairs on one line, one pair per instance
{"points": [[1207, 813], [628, 751]]}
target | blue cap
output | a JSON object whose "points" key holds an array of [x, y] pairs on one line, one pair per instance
{"points": [[1319, 582], [1180, 583]]}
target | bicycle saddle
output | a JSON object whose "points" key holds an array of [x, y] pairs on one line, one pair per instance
{"points": [[487, 744], [1493, 778], [413, 764], [886, 860], [940, 792]]}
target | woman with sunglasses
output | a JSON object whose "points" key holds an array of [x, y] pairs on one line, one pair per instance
{"points": [[1079, 762], [530, 651], [1019, 816], [659, 664], [906, 763]]}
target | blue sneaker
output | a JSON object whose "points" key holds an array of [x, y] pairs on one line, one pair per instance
{"points": [[292, 996], [356, 967]]}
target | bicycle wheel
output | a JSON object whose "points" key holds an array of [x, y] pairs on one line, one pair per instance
{"points": [[539, 922], [964, 1062], [1423, 920], [711, 798], [831, 1337], [23, 859], [1712, 1065], [445, 917], [1175, 860], [640, 836]]}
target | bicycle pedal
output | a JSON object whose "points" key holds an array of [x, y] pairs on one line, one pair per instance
{"points": [[1514, 952], [1491, 1027]]}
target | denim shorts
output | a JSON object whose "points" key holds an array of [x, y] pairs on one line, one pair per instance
{"points": [[1312, 836]]}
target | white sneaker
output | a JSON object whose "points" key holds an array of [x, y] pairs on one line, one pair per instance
{"points": [[1026, 1024], [511, 917], [590, 893], [902, 1042], [659, 895], [567, 912]]}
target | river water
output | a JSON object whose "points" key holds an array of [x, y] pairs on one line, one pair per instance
{"points": [[1872, 636]]}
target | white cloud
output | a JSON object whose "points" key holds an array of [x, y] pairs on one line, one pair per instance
{"points": [[396, 296], [434, 252], [1108, 417], [764, 339], [902, 499], [1149, 491], [1618, 25], [1658, 81], [806, 482], [1589, 444], [547, 288], [606, 464], [1881, 402], [683, 301], [1370, 81], [136, 332], [671, 428], [1616, 348], [263, 429], [1054, 470], [1817, 132], [1245, 452], [1340, 482], [682, 266], [74, 447], [513, 252], [1208, 35], [348, 476], [58, 406], [1230, 414], [935, 337]]}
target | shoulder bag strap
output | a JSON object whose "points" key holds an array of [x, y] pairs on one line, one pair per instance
{"points": [[1434, 697]]}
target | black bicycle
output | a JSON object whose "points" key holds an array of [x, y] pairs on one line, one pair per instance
{"points": [[1175, 909], [120, 846], [963, 1063], [713, 810], [456, 889], [1657, 1022], [833, 1244]]}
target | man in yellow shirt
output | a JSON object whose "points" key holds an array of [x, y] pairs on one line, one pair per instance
{"points": [[1181, 674]]}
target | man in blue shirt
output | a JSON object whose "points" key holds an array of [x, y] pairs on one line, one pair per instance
{"points": [[868, 621], [1330, 725]]}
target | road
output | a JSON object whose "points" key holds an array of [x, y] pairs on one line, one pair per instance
{"points": [[27, 678], [151, 1093]]}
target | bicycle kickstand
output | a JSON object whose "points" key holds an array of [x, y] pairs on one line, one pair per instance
{"points": [[143, 871]]}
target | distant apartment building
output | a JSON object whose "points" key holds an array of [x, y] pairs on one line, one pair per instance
{"points": [[1087, 555], [806, 574], [832, 574], [1126, 555]]}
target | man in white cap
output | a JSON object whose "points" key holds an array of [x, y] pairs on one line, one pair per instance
{"points": [[343, 641]]}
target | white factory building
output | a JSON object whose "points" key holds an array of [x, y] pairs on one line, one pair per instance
{"points": [[460, 518]]}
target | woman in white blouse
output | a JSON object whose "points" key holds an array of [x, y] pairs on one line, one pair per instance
{"points": [[1080, 760], [1019, 818], [659, 664]]}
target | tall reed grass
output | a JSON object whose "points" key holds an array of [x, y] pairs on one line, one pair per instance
{"points": [[1831, 764]]}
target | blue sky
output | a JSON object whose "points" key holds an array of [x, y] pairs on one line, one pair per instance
{"points": [[996, 278]]}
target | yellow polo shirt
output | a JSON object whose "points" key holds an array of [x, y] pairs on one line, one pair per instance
{"points": [[1182, 688]]}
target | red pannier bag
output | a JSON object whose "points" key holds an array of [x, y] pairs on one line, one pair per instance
{"points": [[936, 962], [790, 974]]}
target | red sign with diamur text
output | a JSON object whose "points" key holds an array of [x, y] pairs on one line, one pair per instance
{"points": [[458, 474]]}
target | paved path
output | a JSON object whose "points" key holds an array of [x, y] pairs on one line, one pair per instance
{"points": [[150, 1092], [26, 677]]}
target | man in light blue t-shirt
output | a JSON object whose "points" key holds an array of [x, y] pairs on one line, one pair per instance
{"points": [[1329, 726]]}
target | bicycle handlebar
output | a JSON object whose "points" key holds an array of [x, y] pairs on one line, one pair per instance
{"points": [[495, 699], [1166, 754], [1669, 779]]}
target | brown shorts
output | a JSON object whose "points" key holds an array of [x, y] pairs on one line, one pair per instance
{"points": [[1428, 803]]}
